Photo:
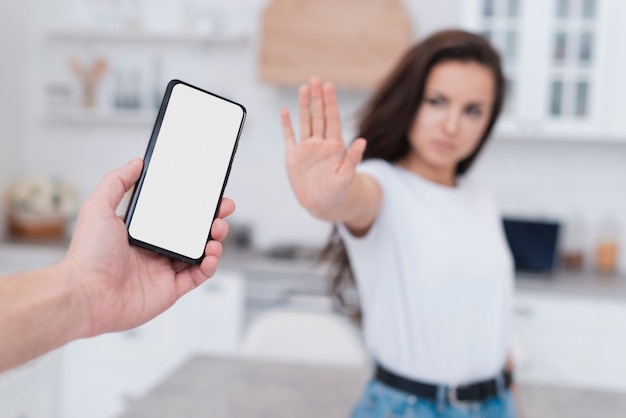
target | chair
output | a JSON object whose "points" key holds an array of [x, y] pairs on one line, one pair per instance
{"points": [[292, 335]]}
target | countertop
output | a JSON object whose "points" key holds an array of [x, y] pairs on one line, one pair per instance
{"points": [[261, 265], [586, 283], [229, 387]]}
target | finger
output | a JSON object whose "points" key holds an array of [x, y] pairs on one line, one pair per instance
{"points": [[304, 95], [192, 277], [116, 183], [219, 229], [213, 249], [332, 113], [354, 155], [179, 266], [290, 139], [317, 108], [227, 207]]}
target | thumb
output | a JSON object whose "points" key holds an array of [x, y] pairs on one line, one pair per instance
{"points": [[116, 183], [354, 155]]}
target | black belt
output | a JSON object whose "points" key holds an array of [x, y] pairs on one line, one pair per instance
{"points": [[474, 392]]}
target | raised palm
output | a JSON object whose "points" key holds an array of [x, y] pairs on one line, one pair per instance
{"points": [[319, 166]]}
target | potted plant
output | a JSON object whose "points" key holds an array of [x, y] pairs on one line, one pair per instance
{"points": [[40, 207]]}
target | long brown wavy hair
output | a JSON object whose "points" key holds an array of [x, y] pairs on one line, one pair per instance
{"points": [[385, 122]]}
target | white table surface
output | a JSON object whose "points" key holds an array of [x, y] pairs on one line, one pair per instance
{"points": [[229, 387]]}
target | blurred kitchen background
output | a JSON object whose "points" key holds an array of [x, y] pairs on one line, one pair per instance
{"points": [[80, 84]]}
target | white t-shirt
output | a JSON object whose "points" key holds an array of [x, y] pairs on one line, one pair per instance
{"points": [[435, 278]]}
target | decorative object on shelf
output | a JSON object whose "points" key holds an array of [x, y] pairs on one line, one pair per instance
{"points": [[58, 94], [157, 85], [40, 207], [314, 37], [206, 17], [116, 14], [89, 77], [131, 16], [127, 94], [607, 247], [573, 244]]}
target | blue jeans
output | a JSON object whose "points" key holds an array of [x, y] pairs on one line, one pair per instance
{"points": [[381, 401]]}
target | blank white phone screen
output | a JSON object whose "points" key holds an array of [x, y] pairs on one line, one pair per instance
{"points": [[184, 179]]}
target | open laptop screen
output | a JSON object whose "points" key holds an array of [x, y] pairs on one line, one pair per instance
{"points": [[534, 244]]}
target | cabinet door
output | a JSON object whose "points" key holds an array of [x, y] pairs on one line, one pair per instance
{"points": [[559, 64], [31, 391], [102, 375], [616, 81], [505, 24], [212, 316], [571, 341], [574, 74]]}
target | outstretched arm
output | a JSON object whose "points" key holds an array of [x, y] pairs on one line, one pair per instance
{"points": [[322, 172], [103, 284]]}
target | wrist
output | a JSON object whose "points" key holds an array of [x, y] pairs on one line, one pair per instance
{"points": [[336, 211], [326, 215], [76, 300]]}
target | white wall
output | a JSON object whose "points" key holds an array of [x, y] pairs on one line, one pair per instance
{"points": [[583, 182], [14, 47], [555, 179]]}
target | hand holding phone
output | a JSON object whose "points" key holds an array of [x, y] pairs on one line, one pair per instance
{"points": [[186, 167]]}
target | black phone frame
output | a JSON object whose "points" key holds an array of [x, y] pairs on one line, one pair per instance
{"points": [[148, 155]]}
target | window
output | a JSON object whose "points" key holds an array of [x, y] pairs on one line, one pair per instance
{"points": [[588, 9], [488, 8], [500, 21], [556, 98], [562, 8], [509, 104], [510, 46], [574, 34], [560, 47], [584, 54], [582, 92], [513, 8]]}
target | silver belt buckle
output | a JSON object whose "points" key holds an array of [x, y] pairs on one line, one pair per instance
{"points": [[452, 396]]}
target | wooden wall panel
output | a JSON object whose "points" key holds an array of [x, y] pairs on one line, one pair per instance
{"points": [[353, 43]]}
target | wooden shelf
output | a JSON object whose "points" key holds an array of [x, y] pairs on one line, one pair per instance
{"points": [[95, 117], [142, 36]]}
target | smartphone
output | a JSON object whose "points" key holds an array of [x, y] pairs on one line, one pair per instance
{"points": [[186, 167]]}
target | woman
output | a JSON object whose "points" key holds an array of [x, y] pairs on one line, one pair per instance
{"points": [[425, 244]]}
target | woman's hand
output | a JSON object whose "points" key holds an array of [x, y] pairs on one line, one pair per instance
{"points": [[319, 167]]}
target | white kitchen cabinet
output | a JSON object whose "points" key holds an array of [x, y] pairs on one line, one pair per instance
{"points": [[98, 377], [101, 375], [32, 390], [571, 341], [563, 69]]}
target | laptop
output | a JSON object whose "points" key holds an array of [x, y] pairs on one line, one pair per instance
{"points": [[533, 243]]}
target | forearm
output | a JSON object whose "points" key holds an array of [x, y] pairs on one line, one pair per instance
{"points": [[39, 311], [358, 207]]}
